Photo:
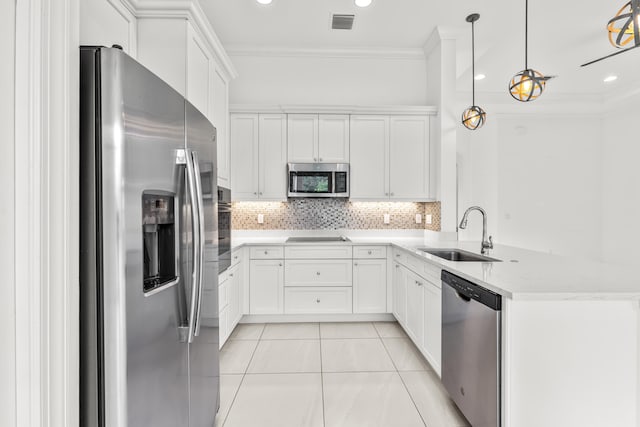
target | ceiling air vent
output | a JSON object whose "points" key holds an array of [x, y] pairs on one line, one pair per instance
{"points": [[342, 22]]}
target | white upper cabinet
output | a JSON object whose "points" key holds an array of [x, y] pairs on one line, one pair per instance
{"points": [[258, 157], [390, 158], [244, 156], [409, 158], [303, 138], [317, 138], [180, 54], [369, 165]]}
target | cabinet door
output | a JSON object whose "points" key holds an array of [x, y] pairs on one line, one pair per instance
{"points": [[244, 156], [266, 287], [399, 293], [409, 158], [198, 71], [302, 134], [220, 119], [233, 292], [369, 147], [370, 286], [415, 308], [433, 324], [333, 142], [272, 157]]}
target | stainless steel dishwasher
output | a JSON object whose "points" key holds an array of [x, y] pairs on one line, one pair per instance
{"points": [[471, 317]]}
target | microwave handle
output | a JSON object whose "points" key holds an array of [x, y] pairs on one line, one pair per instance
{"points": [[333, 183], [295, 182]]}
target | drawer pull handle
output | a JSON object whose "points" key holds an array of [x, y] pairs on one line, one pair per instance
{"points": [[398, 255]]}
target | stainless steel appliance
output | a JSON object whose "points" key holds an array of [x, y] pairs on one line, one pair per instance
{"points": [[318, 179], [471, 317], [224, 228], [148, 275]]}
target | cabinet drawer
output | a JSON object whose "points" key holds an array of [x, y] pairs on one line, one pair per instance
{"points": [[302, 300], [399, 256], [369, 252], [266, 252], [318, 252], [236, 257], [318, 272]]}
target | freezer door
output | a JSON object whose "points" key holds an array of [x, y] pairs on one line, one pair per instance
{"points": [[203, 350], [145, 358]]}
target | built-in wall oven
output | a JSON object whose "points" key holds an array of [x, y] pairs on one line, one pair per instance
{"points": [[318, 179], [224, 228]]}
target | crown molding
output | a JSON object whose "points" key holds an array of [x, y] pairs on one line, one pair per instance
{"points": [[437, 36], [189, 10], [317, 52], [417, 110]]}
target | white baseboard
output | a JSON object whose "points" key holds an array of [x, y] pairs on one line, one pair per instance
{"points": [[299, 318]]}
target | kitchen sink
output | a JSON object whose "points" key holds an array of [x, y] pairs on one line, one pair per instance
{"points": [[458, 255]]}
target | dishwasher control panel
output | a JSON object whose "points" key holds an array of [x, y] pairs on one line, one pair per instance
{"points": [[470, 290]]}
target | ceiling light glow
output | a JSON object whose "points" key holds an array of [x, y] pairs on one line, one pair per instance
{"points": [[610, 79], [480, 77], [264, 1], [363, 3]]}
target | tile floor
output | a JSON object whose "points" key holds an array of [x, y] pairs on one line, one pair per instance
{"points": [[329, 375]]}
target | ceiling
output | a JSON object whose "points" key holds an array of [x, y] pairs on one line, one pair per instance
{"points": [[562, 35]]}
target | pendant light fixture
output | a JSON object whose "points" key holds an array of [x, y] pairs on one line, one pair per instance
{"points": [[528, 84], [473, 117], [624, 30]]}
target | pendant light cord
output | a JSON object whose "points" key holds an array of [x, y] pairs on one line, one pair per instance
{"points": [[526, 34], [473, 62]]}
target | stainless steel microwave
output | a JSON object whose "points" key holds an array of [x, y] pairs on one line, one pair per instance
{"points": [[318, 179]]}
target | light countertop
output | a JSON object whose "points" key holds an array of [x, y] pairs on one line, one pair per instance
{"points": [[521, 274]]}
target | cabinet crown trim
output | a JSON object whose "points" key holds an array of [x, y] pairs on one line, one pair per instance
{"points": [[189, 10], [336, 109]]}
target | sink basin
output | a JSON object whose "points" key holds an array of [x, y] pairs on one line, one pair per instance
{"points": [[458, 255], [319, 239]]}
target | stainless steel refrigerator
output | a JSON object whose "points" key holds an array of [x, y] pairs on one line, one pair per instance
{"points": [[149, 250]]}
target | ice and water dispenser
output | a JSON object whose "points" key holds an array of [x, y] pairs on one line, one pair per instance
{"points": [[159, 231]]}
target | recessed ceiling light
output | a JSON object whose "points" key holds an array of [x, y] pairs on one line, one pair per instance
{"points": [[363, 3], [479, 76], [264, 1], [610, 79]]}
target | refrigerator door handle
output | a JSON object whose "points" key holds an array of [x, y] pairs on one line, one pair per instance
{"points": [[195, 218], [201, 239]]}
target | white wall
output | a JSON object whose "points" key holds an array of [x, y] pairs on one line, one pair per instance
{"points": [[621, 186], [278, 80], [7, 232], [540, 179]]}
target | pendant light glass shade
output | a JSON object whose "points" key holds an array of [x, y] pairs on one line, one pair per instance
{"points": [[473, 117], [622, 28], [528, 84]]}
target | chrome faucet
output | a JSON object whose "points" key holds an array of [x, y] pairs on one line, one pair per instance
{"points": [[486, 243]]}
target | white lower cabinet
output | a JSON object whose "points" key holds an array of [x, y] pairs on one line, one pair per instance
{"points": [[317, 272], [266, 286], [432, 345], [370, 285], [230, 298], [415, 308], [234, 284], [304, 300], [399, 294]]}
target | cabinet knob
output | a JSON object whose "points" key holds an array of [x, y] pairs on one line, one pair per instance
{"points": [[320, 159], [392, 194], [266, 252], [280, 265], [230, 274], [255, 194], [386, 194], [355, 263], [397, 255], [397, 266], [418, 283], [261, 193], [235, 257], [369, 252], [317, 273], [318, 300], [315, 160]]}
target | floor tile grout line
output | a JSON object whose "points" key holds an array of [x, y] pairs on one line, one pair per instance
{"points": [[324, 422], [403, 383]]}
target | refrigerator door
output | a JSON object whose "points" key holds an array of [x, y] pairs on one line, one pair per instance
{"points": [[203, 350], [145, 358]]}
